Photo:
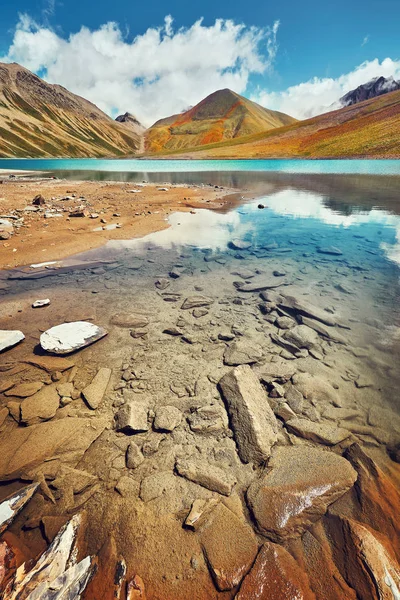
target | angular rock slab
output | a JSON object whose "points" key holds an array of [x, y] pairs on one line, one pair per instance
{"points": [[95, 391], [318, 432], [29, 447], [298, 489], [241, 353], [133, 417], [275, 576], [209, 476], [10, 338], [253, 422], [42, 406], [11, 506], [196, 302], [68, 337], [229, 547]]}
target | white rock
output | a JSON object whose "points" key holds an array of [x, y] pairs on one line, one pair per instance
{"points": [[9, 338], [40, 303], [68, 337]]}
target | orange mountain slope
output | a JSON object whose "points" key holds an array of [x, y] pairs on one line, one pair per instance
{"points": [[368, 129], [224, 115], [38, 119]]}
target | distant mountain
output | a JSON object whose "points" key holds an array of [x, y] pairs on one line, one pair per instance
{"points": [[372, 89], [369, 129], [223, 115], [41, 120], [132, 122]]}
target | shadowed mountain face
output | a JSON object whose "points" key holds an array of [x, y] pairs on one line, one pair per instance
{"points": [[132, 122], [38, 119], [371, 89], [368, 129], [223, 115]]}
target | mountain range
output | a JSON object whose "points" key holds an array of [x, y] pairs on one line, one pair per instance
{"points": [[38, 119]]}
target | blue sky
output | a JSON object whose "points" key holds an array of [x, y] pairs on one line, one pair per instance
{"points": [[313, 40]]}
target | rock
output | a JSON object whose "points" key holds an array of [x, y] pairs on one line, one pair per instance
{"points": [[132, 417], [196, 302], [239, 244], [130, 321], [302, 336], [68, 337], [318, 432], [162, 283], [51, 364], [199, 513], [303, 307], [28, 447], [229, 547], [135, 589], [262, 283], [242, 353], [11, 506], [300, 484], [284, 343], [9, 338], [208, 419], [199, 312], [167, 418], [244, 273], [275, 575], [285, 323], [65, 390], [4, 412], [94, 393], [316, 389], [156, 485], [260, 206], [280, 371], [42, 406], [252, 419], [128, 487], [134, 456], [328, 332], [40, 303], [203, 473], [174, 331], [284, 412], [386, 419], [24, 390], [330, 250], [38, 200]]}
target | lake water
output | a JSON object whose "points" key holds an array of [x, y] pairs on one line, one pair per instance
{"points": [[329, 240]]}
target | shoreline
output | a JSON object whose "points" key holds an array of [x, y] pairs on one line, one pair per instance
{"points": [[109, 210]]}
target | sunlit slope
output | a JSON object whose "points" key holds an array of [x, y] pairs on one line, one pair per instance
{"points": [[368, 129], [224, 115], [42, 120]]}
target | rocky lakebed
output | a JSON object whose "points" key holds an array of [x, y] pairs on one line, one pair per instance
{"points": [[217, 417]]}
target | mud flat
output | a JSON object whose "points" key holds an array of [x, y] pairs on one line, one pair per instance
{"points": [[236, 433]]}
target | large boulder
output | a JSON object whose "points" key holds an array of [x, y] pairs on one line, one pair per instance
{"points": [[300, 484], [253, 422], [275, 575]]}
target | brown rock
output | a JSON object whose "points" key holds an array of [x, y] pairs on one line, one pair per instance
{"points": [[209, 476], [167, 418], [297, 490], [94, 393], [51, 364], [275, 576], [41, 406], [24, 390], [196, 302], [133, 417], [242, 353], [130, 321], [28, 447], [252, 419], [229, 546], [318, 432]]}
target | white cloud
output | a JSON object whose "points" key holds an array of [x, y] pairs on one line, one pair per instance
{"points": [[156, 74], [365, 41], [322, 94]]}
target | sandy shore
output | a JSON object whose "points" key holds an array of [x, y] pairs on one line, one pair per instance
{"points": [[112, 210]]}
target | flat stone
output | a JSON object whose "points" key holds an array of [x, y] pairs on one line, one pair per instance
{"points": [[284, 343], [40, 303], [302, 336], [196, 302], [300, 484], [318, 432], [11, 506], [199, 312], [209, 476], [208, 419], [24, 390], [130, 321], [10, 338], [328, 332], [156, 485], [242, 353], [229, 546], [134, 456], [330, 250], [285, 322], [199, 513], [162, 283], [42, 406], [305, 308], [280, 371], [238, 244], [262, 283], [275, 575], [65, 390], [68, 337], [29, 447], [253, 422], [133, 417], [128, 487], [51, 364], [167, 418], [94, 393]]}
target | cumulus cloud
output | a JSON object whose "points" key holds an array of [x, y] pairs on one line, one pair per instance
{"points": [[322, 94], [154, 75]]}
